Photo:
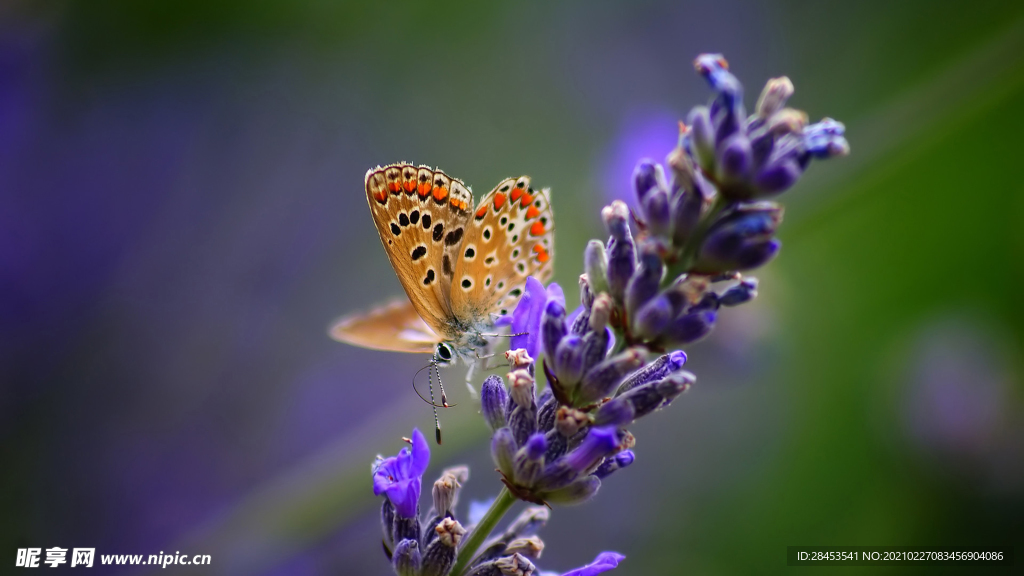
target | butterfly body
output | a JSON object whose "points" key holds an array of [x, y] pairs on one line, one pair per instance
{"points": [[460, 265]]}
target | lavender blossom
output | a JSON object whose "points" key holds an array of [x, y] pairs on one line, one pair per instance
{"points": [[400, 477]]}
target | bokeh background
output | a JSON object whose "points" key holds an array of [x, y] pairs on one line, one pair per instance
{"points": [[182, 216]]}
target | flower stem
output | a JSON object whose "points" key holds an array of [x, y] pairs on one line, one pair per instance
{"points": [[467, 551]]}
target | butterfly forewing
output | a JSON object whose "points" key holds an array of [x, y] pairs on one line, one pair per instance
{"points": [[421, 215], [509, 238]]}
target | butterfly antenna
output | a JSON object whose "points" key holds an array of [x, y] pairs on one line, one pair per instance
{"points": [[433, 406], [506, 335], [417, 390]]}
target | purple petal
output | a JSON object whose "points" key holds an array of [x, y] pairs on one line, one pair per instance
{"points": [[405, 496], [604, 562], [420, 454]]}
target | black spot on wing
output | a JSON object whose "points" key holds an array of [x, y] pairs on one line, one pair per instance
{"points": [[419, 252], [453, 237], [446, 265], [438, 232], [395, 229]]}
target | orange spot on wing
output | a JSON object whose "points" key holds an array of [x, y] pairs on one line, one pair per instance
{"points": [[527, 200], [537, 229], [532, 212], [542, 253], [481, 212], [516, 193], [424, 189], [410, 185], [440, 193], [499, 201], [381, 196], [394, 186]]}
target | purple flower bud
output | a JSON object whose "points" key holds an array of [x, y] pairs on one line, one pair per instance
{"points": [[730, 239], [529, 547], [406, 528], [493, 401], [660, 368], [523, 423], [621, 251], [774, 96], [546, 413], [581, 321], [757, 255], [514, 565], [595, 264], [703, 137], [777, 177], [557, 474], [406, 558], [552, 327], [387, 521], [686, 211], [604, 562], [656, 208], [595, 347], [614, 463], [568, 360], [645, 283], [578, 492], [745, 291], [735, 157], [557, 445], [503, 451], [825, 139], [653, 395], [690, 327], [602, 379], [440, 553], [653, 318], [528, 523], [715, 69], [615, 412], [586, 292], [601, 311], [446, 489], [600, 442], [529, 460], [647, 177], [523, 388]]}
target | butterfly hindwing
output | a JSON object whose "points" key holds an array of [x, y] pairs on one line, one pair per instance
{"points": [[509, 238], [396, 327], [421, 216]]}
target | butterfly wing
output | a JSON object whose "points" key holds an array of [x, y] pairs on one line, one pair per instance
{"points": [[510, 237], [421, 217], [395, 327]]}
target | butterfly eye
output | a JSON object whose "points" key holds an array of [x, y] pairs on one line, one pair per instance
{"points": [[444, 352]]}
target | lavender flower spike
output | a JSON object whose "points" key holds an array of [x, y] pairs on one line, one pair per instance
{"points": [[400, 478]]}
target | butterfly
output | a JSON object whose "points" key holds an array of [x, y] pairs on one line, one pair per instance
{"points": [[461, 266]]}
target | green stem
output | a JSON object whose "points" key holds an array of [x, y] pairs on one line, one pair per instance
{"points": [[467, 551]]}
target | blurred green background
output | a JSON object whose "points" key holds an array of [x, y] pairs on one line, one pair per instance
{"points": [[182, 215]]}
